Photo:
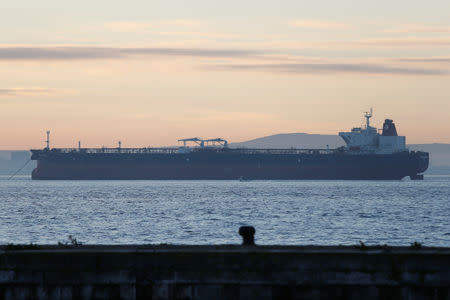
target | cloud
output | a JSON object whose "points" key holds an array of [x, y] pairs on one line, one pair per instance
{"points": [[368, 43], [404, 42], [127, 26], [418, 28], [231, 59], [34, 91], [174, 28], [425, 59], [12, 52], [198, 34], [74, 53], [327, 68], [317, 24]]}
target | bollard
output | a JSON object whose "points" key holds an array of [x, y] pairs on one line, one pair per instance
{"points": [[248, 235]]}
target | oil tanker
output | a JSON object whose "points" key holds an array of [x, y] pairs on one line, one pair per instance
{"points": [[369, 154]]}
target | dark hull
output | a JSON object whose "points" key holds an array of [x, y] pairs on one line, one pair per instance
{"points": [[229, 166]]}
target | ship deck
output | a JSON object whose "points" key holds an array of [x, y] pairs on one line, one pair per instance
{"points": [[182, 150]]}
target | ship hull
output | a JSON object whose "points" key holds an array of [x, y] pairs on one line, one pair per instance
{"points": [[227, 166]]}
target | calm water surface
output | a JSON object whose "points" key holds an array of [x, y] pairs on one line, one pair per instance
{"points": [[210, 212]]}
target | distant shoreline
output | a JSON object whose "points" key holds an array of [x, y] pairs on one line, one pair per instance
{"points": [[12, 160]]}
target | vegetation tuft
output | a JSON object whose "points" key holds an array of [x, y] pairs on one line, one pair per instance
{"points": [[71, 241], [361, 246], [416, 246]]}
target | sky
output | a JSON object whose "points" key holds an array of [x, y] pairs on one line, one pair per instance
{"points": [[150, 72]]}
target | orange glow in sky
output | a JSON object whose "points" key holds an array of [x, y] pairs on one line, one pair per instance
{"points": [[150, 73]]}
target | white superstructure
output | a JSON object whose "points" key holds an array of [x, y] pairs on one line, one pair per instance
{"points": [[369, 140]]}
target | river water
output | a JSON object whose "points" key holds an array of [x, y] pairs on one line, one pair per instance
{"points": [[210, 212]]}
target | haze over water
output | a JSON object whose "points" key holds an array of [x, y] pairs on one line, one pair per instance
{"points": [[210, 212]]}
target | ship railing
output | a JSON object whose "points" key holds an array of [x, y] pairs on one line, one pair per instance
{"points": [[283, 151], [175, 150], [115, 150]]}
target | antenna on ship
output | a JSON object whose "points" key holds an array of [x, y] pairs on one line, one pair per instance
{"points": [[48, 140], [368, 115]]}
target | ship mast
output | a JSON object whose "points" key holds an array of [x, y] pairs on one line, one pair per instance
{"points": [[48, 140], [368, 115]]}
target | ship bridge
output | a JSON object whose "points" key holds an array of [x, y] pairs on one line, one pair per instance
{"points": [[367, 139]]}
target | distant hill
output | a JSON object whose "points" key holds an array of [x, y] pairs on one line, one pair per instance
{"points": [[439, 156], [293, 140], [439, 153]]}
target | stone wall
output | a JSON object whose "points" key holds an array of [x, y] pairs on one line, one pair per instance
{"points": [[223, 272]]}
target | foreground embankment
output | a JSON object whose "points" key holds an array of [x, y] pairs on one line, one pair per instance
{"points": [[223, 272]]}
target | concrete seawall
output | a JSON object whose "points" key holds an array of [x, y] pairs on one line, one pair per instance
{"points": [[223, 272]]}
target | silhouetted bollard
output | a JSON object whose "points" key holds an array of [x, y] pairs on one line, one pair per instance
{"points": [[248, 235]]}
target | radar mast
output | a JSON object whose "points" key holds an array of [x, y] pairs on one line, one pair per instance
{"points": [[368, 115]]}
